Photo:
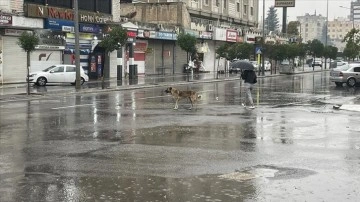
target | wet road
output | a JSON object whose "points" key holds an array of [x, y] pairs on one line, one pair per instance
{"points": [[132, 146]]}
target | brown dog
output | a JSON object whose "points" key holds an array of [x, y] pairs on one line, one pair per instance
{"points": [[178, 95]]}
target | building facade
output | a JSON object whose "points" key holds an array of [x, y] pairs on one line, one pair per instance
{"points": [[355, 11], [337, 30], [52, 21], [312, 27]]}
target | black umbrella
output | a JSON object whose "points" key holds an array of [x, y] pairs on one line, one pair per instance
{"points": [[243, 65]]}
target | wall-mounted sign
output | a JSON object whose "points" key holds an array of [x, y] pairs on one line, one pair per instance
{"points": [[131, 34], [5, 19], [165, 35], [146, 34], [14, 32], [20, 21], [82, 36], [40, 11], [284, 3], [89, 28], [46, 47], [219, 34], [192, 32], [59, 25], [205, 35], [231, 35]]}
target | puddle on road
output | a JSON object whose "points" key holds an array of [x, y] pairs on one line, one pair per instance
{"points": [[266, 171]]}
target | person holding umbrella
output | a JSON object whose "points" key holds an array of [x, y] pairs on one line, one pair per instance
{"points": [[249, 76]]}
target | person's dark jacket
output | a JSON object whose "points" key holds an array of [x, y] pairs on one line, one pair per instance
{"points": [[249, 76]]}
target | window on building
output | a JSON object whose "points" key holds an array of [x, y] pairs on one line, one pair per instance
{"points": [[206, 2], [60, 3], [251, 10], [225, 4], [238, 7], [88, 5], [245, 9], [103, 6], [35, 1], [306, 25], [306, 30], [217, 3]]}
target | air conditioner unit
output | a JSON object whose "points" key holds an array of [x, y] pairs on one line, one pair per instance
{"points": [[209, 28]]}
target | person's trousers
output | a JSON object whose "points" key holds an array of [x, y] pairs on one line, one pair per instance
{"points": [[248, 98]]}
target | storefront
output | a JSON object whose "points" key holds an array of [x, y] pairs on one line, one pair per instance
{"points": [[13, 64], [159, 54]]}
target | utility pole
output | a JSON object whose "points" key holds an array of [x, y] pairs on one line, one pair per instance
{"points": [[77, 49], [326, 32], [263, 41]]}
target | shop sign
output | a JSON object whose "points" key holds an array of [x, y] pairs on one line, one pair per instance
{"points": [[205, 35], [146, 34], [41, 11], [47, 37], [20, 21], [219, 34], [82, 36], [89, 28], [59, 25], [165, 35], [47, 47], [231, 35], [192, 32], [14, 32], [5, 19], [131, 34]]}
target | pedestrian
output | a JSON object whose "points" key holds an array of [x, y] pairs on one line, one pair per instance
{"points": [[250, 78]]}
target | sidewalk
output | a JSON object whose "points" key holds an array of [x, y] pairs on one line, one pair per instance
{"points": [[19, 89]]}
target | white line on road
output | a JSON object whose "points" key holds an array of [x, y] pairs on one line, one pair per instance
{"points": [[73, 106]]}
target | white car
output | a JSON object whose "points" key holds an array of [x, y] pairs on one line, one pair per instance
{"points": [[267, 66], [57, 74], [256, 66]]}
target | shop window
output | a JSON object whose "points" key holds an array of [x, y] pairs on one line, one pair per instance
{"points": [[104, 6], [88, 5], [60, 3]]}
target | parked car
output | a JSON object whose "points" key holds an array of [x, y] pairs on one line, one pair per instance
{"points": [[316, 63], [57, 74], [349, 74], [267, 66], [341, 63]]}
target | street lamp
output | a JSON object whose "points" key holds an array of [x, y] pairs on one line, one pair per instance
{"points": [[352, 15], [77, 49]]}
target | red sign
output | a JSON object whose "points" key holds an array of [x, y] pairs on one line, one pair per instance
{"points": [[231, 35], [5, 20], [132, 34]]}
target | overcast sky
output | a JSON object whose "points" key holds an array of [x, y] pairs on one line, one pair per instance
{"points": [[309, 6]]}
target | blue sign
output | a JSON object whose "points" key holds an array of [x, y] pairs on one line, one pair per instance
{"points": [[68, 26], [89, 28], [258, 50], [58, 25], [165, 35]]}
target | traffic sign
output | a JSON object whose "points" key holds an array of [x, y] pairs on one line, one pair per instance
{"points": [[258, 50]]}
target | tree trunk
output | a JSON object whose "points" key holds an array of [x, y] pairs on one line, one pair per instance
{"points": [[28, 72], [106, 69]]}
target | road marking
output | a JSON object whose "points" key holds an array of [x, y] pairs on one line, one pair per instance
{"points": [[73, 106]]}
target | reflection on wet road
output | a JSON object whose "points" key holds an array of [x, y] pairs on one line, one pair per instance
{"points": [[132, 145]]}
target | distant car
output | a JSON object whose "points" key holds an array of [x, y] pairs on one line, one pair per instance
{"points": [[317, 63], [267, 66], [341, 63], [57, 74], [349, 74]]}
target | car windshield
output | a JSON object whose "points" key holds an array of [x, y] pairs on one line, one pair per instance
{"points": [[47, 69]]}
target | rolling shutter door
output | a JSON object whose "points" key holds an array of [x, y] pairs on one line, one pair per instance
{"points": [[14, 61]]}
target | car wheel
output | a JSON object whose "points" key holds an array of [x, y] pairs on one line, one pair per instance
{"points": [[41, 81], [351, 82], [82, 81], [339, 84]]}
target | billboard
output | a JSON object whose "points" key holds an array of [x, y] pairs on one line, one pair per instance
{"points": [[284, 3]]}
